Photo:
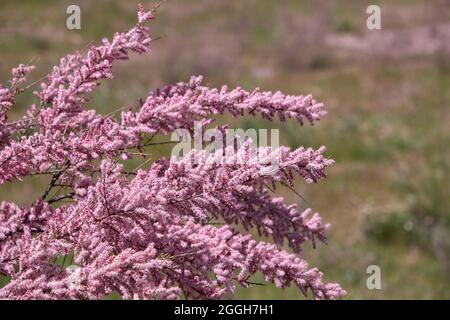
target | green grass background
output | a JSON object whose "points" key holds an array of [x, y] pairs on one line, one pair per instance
{"points": [[387, 198]]}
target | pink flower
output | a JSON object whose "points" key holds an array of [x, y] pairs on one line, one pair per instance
{"points": [[149, 233]]}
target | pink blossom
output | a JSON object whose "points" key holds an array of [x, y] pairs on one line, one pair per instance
{"points": [[149, 233]]}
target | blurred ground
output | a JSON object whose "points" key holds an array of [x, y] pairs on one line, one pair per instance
{"points": [[387, 93]]}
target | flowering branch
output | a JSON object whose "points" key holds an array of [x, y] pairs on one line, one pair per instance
{"points": [[149, 233]]}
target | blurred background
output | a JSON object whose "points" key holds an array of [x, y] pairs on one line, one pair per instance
{"points": [[386, 91]]}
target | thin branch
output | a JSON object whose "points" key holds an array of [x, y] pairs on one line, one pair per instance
{"points": [[51, 185], [293, 190], [66, 196]]}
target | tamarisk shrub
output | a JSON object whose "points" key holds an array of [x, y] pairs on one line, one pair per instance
{"points": [[147, 234]]}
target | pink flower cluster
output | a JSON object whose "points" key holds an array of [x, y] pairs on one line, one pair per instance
{"points": [[179, 106], [148, 234]]}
